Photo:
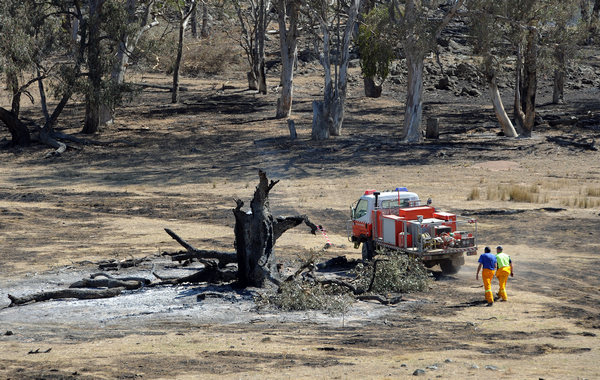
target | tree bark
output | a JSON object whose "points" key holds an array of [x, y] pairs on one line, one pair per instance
{"points": [[330, 112], [94, 93], [256, 232], [183, 21], [560, 57], [288, 40], [205, 31], [501, 115], [505, 123], [65, 293], [194, 21], [19, 133], [254, 237], [125, 48], [433, 129], [260, 69], [372, 89], [320, 126], [414, 103], [529, 88]]}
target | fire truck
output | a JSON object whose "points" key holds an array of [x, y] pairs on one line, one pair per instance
{"points": [[398, 220]]}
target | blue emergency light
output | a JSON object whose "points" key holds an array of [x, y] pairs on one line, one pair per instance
{"points": [[401, 189]]}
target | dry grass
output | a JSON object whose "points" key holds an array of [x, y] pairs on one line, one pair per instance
{"points": [[592, 191], [516, 193], [474, 195], [562, 192]]}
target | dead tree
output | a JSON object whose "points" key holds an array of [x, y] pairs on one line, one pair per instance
{"points": [[256, 232]]}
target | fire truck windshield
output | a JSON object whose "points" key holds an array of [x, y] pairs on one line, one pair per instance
{"points": [[360, 210]]}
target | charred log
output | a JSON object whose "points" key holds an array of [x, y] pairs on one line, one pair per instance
{"points": [[65, 293]]}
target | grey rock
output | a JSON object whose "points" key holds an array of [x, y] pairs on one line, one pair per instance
{"points": [[474, 366], [491, 367], [403, 365], [448, 360], [419, 372], [432, 367], [354, 63]]}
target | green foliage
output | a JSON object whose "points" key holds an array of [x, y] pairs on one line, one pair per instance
{"points": [[375, 45], [392, 272]]}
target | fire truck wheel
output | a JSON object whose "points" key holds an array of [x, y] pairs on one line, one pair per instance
{"points": [[368, 250], [452, 266]]}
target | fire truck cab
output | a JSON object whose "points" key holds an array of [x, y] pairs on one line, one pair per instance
{"points": [[397, 220]]}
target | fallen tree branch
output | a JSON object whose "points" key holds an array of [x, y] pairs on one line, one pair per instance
{"points": [[65, 293], [143, 280], [106, 283], [212, 275], [383, 300], [194, 253]]}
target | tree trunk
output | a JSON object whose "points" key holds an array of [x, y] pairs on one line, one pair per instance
{"points": [[320, 126], [94, 93], [256, 232], [490, 74], [529, 88], [330, 111], [12, 82], [254, 238], [433, 128], [205, 31], [559, 74], [518, 110], [125, 48], [414, 104], [194, 21], [503, 119], [372, 89], [260, 69], [595, 19], [19, 133], [177, 65], [288, 39]]}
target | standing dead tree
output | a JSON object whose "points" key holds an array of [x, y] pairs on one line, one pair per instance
{"points": [[256, 232]]}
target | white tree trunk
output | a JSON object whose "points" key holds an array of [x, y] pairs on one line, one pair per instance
{"points": [[503, 119], [331, 109], [414, 103], [289, 52]]}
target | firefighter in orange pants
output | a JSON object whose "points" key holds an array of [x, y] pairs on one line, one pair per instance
{"points": [[505, 268], [488, 261]]}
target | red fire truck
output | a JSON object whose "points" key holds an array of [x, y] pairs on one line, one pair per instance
{"points": [[397, 220]]}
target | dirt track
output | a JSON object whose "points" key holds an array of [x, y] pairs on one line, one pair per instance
{"points": [[180, 166]]}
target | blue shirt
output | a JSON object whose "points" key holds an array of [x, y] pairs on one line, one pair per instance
{"points": [[488, 260]]}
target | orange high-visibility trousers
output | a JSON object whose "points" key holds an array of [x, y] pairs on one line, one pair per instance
{"points": [[487, 276], [502, 275]]}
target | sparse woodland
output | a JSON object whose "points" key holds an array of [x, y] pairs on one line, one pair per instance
{"points": [[176, 176]]}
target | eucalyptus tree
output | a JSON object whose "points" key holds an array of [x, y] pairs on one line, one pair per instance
{"points": [[336, 21], [183, 10], [529, 27], [140, 17], [254, 16], [418, 25], [42, 42], [288, 17]]}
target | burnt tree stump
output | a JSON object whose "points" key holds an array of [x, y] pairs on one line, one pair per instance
{"points": [[256, 232]]}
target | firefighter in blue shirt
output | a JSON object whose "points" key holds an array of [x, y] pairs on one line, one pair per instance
{"points": [[488, 261]]}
